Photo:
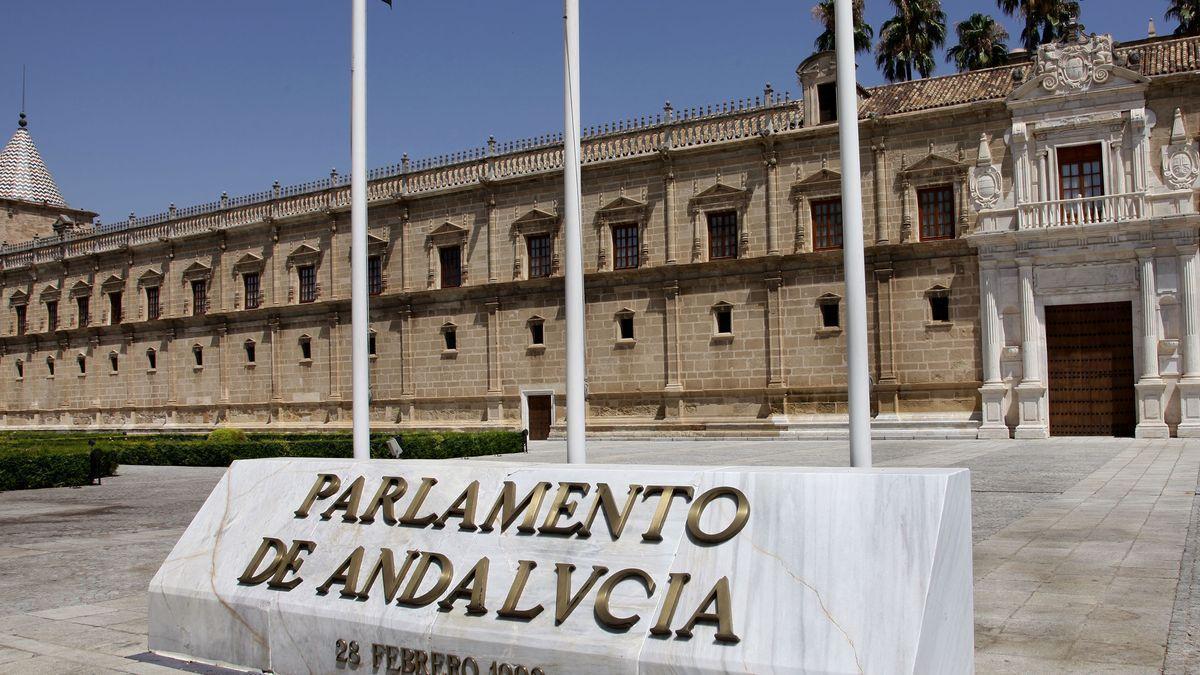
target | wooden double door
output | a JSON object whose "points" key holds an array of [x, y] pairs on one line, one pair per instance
{"points": [[540, 414], [1089, 354]]}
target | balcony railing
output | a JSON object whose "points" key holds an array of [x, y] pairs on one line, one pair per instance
{"points": [[1081, 211]]}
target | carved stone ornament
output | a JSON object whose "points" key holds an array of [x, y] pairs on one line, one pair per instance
{"points": [[1066, 67], [1180, 160], [986, 186]]}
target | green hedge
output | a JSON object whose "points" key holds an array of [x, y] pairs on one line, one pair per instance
{"points": [[31, 459], [50, 465]]}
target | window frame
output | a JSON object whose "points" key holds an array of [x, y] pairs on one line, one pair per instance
{"points": [[627, 250], [823, 228], [83, 311], [729, 222], [252, 292], [199, 288], [306, 283], [935, 202], [153, 308], [445, 278], [543, 268], [375, 274]]}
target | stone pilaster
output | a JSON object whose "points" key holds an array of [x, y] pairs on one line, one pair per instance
{"points": [[221, 336], [878, 177], [771, 169], [407, 386], [489, 202], [774, 307], [495, 399], [669, 212], [273, 332], [335, 360], [673, 389], [1031, 392], [1150, 386], [993, 392], [1189, 383], [886, 390]]}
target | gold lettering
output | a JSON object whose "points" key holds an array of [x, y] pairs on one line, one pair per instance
{"points": [[410, 516], [348, 502], [390, 491], [605, 502], [452, 664], [408, 660], [604, 597], [473, 587], [509, 609], [739, 518], [664, 505], [507, 508], [252, 576], [409, 596], [290, 564], [675, 584], [346, 575], [386, 566], [565, 603], [463, 508], [436, 661], [563, 507], [325, 487], [722, 618]]}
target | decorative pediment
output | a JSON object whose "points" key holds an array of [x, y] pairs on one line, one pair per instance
{"points": [[932, 164], [1075, 66], [250, 262], [622, 208], [18, 298], [113, 283], [823, 180], [151, 277], [720, 190], [376, 244], [81, 287], [196, 271], [50, 292], [304, 254], [536, 220], [829, 299], [448, 233]]}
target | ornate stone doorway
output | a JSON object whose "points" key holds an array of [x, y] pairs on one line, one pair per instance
{"points": [[1089, 355]]}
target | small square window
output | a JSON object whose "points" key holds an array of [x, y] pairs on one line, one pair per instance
{"points": [[198, 356], [939, 306], [250, 349], [830, 315], [20, 370], [537, 333], [151, 359], [625, 326], [375, 275], [371, 344], [306, 348], [81, 361], [50, 366], [724, 319], [450, 337], [113, 363]]}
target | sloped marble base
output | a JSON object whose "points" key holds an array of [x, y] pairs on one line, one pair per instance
{"points": [[836, 571]]}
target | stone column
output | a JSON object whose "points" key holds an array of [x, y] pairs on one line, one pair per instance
{"points": [[335, 361], [490, 204], [1189, 383], [430, 277], [222, 361], [800, 238], [405, 283], [878, 178], [1031, 391], [407, 388], [887, 392], [273, 333], [1150, 386], [771, 164], [495, 399], [126, 356], [697, 216], [673, 390], [273, 281], [168, 350], [993, 392], [774, 332], [603, 242], [669, 213], [906, 213]]}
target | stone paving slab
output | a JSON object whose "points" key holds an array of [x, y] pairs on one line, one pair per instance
{"points": [[1077, 557]]}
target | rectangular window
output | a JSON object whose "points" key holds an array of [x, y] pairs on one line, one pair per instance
{"points": [[114, 308], [249, 351], [198, 356], [152, 309], [1080, 175], [375, 275], [827, 224], [626, 248], [826, 102], [308, 283], [540, 257], [724, 317], [722, 235], [52, 315], [450, 259], [252, 286], [83, 304], [537, 333], [829, 315], [113, 362], [20, 310], [306, 349], [199, 297], [371, 344], [935, 208], [939, 307], [450, 336], [625, 326], [151, 359]]}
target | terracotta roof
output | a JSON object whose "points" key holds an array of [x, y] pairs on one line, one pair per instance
{"points": [[23, 174], [1155, 57]]}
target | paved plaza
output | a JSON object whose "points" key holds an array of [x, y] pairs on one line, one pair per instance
{"points": [[1085, 550]]}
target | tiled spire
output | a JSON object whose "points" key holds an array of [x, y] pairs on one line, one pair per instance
{"points": [[23, 174]]}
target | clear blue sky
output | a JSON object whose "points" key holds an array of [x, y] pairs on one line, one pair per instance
{"points": [[139, 103]]}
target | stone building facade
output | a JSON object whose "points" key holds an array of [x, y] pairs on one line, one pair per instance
{"points": [[712, 261]]}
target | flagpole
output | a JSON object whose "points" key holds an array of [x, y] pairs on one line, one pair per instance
{"points": [[576, 339], [359, 311], [858, 376]]}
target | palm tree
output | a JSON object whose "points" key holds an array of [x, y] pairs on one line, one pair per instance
{"points": [[1187, 13], [1045, 20], [823, 12], [907, 40], [980, 44]]}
